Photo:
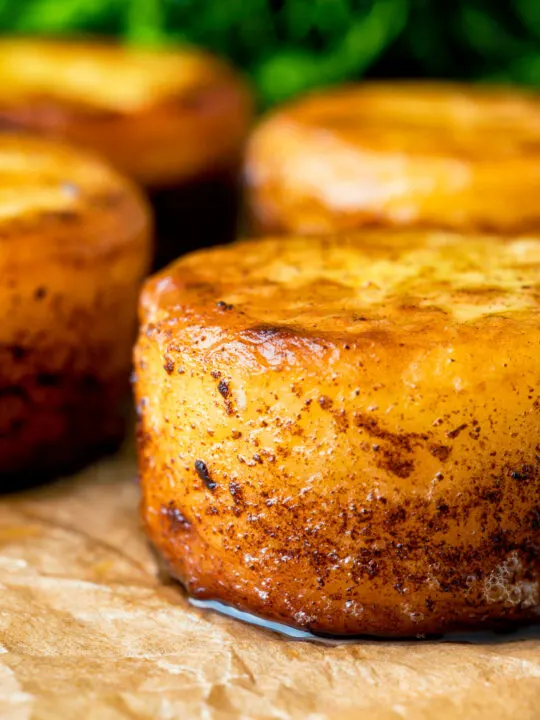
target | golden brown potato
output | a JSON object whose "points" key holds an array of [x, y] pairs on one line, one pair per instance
{"points": [[423, 155], [344, 433], [174, 120], [74, 247]]}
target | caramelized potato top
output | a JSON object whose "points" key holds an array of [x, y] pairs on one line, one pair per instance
{"points": [[159, 115], [107, 77], [431, 155], [426, 119], [57, 197], [388, 287]]}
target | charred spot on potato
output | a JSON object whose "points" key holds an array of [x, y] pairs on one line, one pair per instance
{"points": [[452, 434], [204, 474], [224, 388], [403, 441], [399, 515], [325, 402], [392, 461], [168, 365], [341, 420], [237, 493], [524, 473], [441, 452], [175, 518]]}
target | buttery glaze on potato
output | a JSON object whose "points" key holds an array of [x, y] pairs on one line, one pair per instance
{"points": [[173, 120], [401, 154], [344, 433], [74, 247]]}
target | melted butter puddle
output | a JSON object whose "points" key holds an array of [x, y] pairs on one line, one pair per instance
{"points": [[479, 637]]}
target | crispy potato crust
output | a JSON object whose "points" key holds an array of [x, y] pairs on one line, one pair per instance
{"points": [[74, 247], [343, 433], [423, 155], [163, 117]]}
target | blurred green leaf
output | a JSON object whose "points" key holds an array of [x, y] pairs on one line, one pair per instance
{"points": [[55, 16], [529, 13], [487, 35], [291, 71], [145, 21]]}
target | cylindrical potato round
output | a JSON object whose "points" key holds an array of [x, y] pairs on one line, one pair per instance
{"points": [[398, 154], [173, 120], [74, 247], [344, 433]]}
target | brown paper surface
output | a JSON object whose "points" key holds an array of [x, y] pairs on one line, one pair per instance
{"points": [[88, 630]]}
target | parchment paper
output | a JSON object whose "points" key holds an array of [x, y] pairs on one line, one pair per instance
{"points": [[89, 630]]}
